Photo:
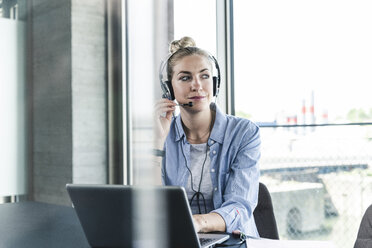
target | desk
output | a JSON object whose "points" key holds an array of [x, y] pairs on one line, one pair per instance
{"points": [[38, 225], [34, 224]]}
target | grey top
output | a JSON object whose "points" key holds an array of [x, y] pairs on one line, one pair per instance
{"points": [[199, 153]]}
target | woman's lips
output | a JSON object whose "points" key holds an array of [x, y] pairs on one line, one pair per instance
{"points": [[197, 97]]}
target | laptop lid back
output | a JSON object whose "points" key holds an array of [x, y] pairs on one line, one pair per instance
{"points": [[132, 216]]}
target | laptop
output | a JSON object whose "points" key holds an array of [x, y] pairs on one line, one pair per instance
{"points": [[135, 216]]}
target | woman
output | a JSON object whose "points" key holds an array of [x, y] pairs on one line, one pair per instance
{"points": [[214, 156]]}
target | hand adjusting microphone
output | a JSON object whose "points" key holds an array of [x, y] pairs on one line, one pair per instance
{"points": [[189, 104]]}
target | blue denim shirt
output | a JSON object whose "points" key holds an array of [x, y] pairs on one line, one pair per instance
{"points": [[234, 152]]}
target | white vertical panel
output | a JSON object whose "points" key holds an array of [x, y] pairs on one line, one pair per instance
{"points": [[12, 108]]}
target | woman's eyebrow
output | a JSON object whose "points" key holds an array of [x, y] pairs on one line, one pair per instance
{"points": [[187, 72], [184, 72]]}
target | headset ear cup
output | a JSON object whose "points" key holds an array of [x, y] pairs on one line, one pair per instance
{"points": [[214, 86], [171, 93]]}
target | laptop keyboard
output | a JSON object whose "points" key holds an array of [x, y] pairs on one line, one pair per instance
{"points": [[204, 241]]}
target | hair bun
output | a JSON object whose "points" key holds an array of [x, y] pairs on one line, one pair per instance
{"points": [[180, 44]]}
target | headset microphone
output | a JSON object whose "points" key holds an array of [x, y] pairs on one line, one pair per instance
{"points": [[189, 104]]}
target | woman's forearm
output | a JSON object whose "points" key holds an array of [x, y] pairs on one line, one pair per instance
{"points": [[212, 222]]}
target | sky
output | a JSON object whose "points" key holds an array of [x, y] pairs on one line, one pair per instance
{"points": [[285, 51]]}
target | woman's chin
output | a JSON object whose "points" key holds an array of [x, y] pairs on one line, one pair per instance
{"points": [[198, 106]]}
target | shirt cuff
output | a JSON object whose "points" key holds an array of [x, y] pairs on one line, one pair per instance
{"points": [[231, 216], [159, 153]]}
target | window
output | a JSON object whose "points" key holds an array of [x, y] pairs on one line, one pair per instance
{"points": [[294, 55], [302, 72], [196, 19]]}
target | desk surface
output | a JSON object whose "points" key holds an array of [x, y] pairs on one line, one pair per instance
{"points": [[34, 224]]}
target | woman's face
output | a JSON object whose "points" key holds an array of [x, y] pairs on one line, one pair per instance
{"points": [[192, 81]]}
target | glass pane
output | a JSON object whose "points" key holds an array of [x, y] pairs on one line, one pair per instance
{"points": [[303, 60], [141, 75], [300, 62], [196, 19], [320, 183], [145, 40]]}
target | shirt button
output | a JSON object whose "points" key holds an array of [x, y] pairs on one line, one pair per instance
{"points": [[214, 152], [215, 189], [212, 170], [212, 142]]}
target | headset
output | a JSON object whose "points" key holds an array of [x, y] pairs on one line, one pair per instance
{"points": [[166, 85]]}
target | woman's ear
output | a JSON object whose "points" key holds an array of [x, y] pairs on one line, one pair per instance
{"points": [[171, 92]]}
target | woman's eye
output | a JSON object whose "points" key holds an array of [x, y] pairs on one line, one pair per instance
{"points": [[205, 76], [184, 78]]}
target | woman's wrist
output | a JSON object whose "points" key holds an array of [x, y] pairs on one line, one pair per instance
{"points": [[210, 222], [201, 222], [158, 153]]}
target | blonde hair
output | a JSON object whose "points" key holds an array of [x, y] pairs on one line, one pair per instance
{"points": [[180, 44], [181, 48]]}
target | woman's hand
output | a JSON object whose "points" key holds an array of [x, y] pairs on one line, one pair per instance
{"points": [[162, 119], [198, 222]]}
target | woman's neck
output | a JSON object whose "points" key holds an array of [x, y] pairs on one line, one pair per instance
{"points": [[198, 126]]}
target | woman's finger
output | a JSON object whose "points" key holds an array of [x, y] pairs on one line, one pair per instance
{"points": [[164, 107]]}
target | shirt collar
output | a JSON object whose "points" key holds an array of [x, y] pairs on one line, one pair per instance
{"points": [[219, 127], [218, 130], [179, 129]]}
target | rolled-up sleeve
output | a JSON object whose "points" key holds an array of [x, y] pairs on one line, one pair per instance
{"points": [[241, 191]]}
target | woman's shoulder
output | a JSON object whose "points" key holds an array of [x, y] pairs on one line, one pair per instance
{"points": [[241, 123], [231, 121], [240, 131]]}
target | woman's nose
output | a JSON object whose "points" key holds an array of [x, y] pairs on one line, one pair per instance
{"points": [[195, 84]]}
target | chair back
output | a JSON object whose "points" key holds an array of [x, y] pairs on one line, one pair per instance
{"points": [[364, 238], [264, 215]]}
